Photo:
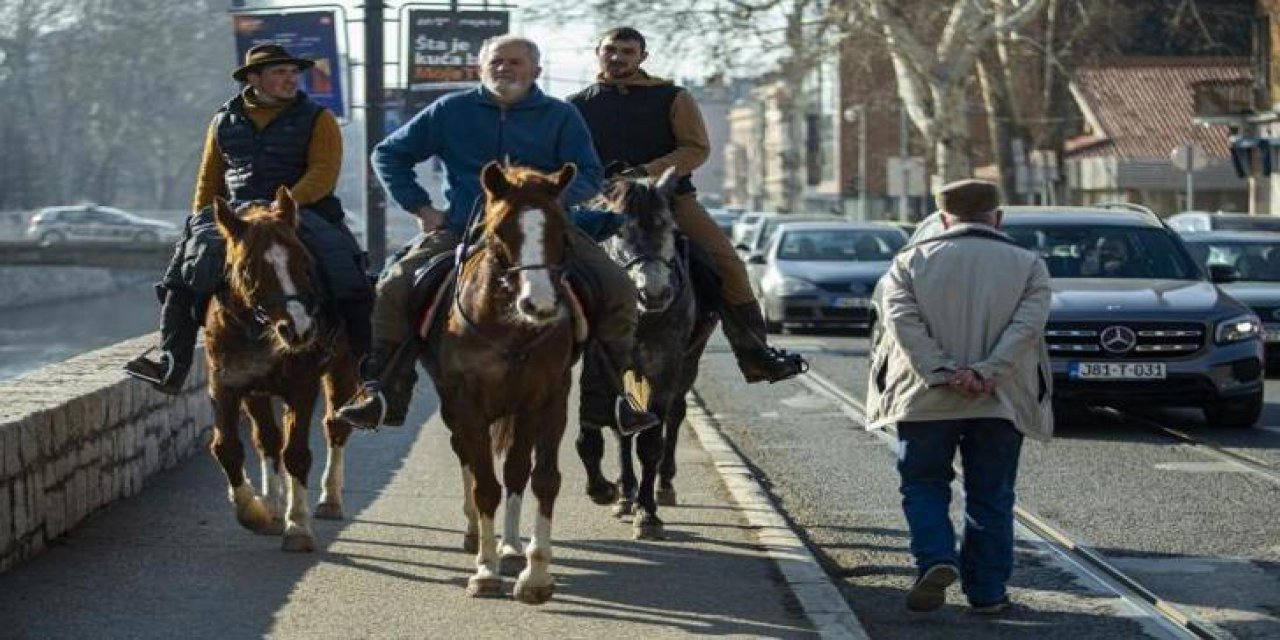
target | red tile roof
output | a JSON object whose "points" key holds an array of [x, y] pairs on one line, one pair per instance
{"points": [[1145, 106]]}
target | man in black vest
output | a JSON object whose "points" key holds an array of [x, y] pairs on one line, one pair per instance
{"points": [[269, 135], [649, 125]]}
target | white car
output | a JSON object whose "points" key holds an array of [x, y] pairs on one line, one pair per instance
{"points": [[94, 223]]}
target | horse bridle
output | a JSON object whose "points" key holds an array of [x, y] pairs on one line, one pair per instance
{"points": [[307, 301], [673, 263]]}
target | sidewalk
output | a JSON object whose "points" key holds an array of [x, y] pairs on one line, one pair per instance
{"points": [[172, 561]]}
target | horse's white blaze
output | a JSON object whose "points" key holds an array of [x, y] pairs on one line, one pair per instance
{"points": [[511, 526], [332, 481], [538, 555], [279, 259], [299, 511], [535, 284]]}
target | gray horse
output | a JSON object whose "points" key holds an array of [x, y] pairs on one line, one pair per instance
{"points": [[672, 333]]}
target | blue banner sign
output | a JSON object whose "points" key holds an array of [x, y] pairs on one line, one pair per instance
{"points": [[311, 35]]}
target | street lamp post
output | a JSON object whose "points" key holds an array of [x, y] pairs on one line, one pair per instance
{"points": [[859, 111]]}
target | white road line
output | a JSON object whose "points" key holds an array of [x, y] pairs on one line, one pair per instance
{"points": [[822, 601]]}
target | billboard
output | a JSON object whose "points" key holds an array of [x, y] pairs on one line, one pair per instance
{"points": [[312, 35], [444, 51]]}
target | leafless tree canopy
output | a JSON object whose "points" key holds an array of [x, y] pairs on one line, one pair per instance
{"points": [[108, 100]]}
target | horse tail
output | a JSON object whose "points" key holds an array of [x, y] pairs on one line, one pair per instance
{"points": [[503, 434]]}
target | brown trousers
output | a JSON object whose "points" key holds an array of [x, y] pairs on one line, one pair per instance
{"points": [[696, 223]]}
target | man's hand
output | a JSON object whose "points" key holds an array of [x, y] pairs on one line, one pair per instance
{"points": [[429, 218], [970, 383]]}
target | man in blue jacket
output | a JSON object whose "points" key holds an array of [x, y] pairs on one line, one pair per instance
{"points": [[505, 119]]}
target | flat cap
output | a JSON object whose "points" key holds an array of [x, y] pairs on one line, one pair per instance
{"points": [[968, 198]]}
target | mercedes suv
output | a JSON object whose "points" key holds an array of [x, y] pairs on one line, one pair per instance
{"points": [[1135, 320]]}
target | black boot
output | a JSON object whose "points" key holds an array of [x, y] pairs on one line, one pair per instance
{"points": [[389, 376], [178, 329], [744, 327], [605, 400]]}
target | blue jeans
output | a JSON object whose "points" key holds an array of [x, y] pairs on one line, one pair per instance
{"points": [[989, 449]]}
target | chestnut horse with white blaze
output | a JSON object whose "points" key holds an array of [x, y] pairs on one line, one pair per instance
{"points": [[265, 337], [501, 367]]}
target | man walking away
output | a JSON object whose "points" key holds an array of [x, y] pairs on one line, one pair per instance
{"points": [[962, 365]]}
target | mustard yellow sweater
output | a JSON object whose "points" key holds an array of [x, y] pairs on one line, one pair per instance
{"points": [[324, 157]]}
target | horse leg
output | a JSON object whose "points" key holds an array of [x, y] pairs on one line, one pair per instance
{"points": [[269, 441], [645, 524], [590, 445], [666, 493], [226, 447], [339, 387], [487, 580], [297, 461], [535, 584], [515, 476], [627, 478]]}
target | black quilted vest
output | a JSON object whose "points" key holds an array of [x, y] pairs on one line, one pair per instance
{"points": [[632, 127], [258, 162]]}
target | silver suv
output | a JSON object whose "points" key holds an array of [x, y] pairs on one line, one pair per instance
{"points": [[93, 223], [1135, 320]]}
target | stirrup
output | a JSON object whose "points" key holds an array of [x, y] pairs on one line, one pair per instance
{"points": [[371, 396], [130, 368]]}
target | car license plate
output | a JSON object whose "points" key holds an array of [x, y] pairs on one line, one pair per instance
{"points": [[1271, 332], [1116, 371], [850, 303]]}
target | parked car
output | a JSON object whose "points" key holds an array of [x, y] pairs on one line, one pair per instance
{"points": [[724, 219], [93, 223], [1249, 268], [1200, 221], [1135, 320], [760, 237], [746, 223], [822, 274]]}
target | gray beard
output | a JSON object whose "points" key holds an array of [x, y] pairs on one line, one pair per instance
{"points": [[507, 91]]}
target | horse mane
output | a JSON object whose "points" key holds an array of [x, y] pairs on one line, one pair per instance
{"points": [[262, 229]]}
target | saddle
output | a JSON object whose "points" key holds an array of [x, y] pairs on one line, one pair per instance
{"points": [[434, 288]]}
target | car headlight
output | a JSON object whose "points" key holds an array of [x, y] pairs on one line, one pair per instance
{"points": [[792, 286], [1237, 329]]}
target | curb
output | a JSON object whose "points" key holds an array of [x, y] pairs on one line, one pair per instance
{"points": [[822, 602]]}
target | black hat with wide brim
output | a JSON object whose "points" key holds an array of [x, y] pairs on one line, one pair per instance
{"points": [[264, 55]]}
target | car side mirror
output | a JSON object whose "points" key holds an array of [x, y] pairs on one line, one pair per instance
{"points": [[756, 258], [1223, 273]]}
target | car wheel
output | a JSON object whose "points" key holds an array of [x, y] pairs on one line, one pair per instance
{"points": [[145, 237], [51, 237], [1240, 413]]}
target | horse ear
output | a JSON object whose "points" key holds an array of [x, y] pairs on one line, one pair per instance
{"points": [[286, 207], [667, 182], [228, 222], [567, 173], [494, 180]]}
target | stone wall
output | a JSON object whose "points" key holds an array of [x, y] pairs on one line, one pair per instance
{"points": [[22, 286], [79, 435]]}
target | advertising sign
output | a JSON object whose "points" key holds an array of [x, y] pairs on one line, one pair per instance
{"points": [[444, 51], [311, 35]]}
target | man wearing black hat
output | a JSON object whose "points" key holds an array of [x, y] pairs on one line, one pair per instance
{"points": [[269, 135], [962, 365]]}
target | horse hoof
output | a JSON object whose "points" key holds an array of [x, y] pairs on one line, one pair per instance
{"points": [[666, 497], [471, 542], [602, 494], [511, 565], [254, 515], [623, 509], [299, 543], [329, 511], [533, 595], [484, 587], [648, 527]]}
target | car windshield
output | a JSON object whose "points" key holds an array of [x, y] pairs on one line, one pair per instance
{"points": [[1246, 223], [839, 245], [1072, 251], [1258, 261], [769, 227]]}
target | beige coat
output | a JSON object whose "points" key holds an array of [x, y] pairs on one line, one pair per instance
{"points": [[968, 297]]}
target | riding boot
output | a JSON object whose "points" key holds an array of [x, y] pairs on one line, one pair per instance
{"points": [[389, 376], [745, 328], [178, 329], [605, 400], [357, 317]]}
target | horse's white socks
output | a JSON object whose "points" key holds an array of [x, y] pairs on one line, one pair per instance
{"points": [[279, 259], [511, 544], [487, 558], [539, 555], [469, 500], [332, 482], [535, 284], [273, 487], [299, 518]]}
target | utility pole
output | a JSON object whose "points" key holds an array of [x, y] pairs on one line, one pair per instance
{"points": [[375, 205], [904, 201]]}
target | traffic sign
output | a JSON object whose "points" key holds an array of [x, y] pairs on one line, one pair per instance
{"points": [[1189, 157]]}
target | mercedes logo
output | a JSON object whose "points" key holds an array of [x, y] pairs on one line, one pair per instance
{"points": [[1117, 339]]}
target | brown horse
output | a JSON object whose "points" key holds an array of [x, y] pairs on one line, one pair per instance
{"points": [[264, 338], [501, 367]]}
